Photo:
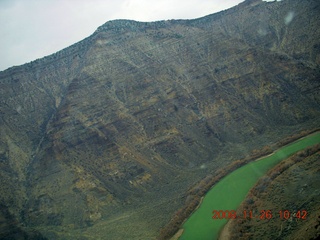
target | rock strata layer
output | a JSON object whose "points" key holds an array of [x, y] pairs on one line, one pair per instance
{"points": [[130, 117]]}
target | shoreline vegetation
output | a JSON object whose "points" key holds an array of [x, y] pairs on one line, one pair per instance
{"points": [[199, 190], [234, 228]]}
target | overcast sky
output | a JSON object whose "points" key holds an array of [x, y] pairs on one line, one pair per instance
{"points": [[32, 29]]}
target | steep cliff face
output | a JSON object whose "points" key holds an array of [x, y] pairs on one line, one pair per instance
{"points": [[131, 116]]}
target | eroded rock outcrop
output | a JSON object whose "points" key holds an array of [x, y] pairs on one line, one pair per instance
{"points": [[125, 118]]}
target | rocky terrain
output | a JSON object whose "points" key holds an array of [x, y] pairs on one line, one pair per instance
{"points": [[104, 137]]}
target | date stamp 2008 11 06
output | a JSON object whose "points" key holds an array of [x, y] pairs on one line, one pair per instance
{"points": [[264, 214]]}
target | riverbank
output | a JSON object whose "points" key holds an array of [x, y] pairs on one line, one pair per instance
{"points": [[225, 232], [205, 185], [290, 187], [177, 235], [233, 188]]}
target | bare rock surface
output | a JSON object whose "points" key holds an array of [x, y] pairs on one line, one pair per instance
{"points": [[110, 132]]}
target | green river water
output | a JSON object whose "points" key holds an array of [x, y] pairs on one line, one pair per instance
{"points": [[232, 189]]}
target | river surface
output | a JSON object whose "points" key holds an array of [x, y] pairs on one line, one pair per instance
{"points": [[232, 190]]}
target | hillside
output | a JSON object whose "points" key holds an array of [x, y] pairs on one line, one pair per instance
{"points": [[109, 133]]}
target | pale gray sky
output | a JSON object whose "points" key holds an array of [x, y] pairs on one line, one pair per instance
{"points": [[32, 29]]}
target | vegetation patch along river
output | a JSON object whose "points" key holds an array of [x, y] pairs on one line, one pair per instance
{"points": [[231, 190]]}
